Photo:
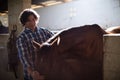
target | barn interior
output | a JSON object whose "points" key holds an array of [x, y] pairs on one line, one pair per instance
{"points": [[56, 15]]}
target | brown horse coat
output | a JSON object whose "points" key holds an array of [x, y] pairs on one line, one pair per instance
{"points": [[113, 30], [73, 54]]}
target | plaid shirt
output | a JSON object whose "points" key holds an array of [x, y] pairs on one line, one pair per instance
{"points": [[25, 47]]}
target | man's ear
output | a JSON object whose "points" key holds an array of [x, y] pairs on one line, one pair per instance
{"points": [[36, 45]]}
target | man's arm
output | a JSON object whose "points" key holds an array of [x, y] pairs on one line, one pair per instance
{"points": [[22, 51]]}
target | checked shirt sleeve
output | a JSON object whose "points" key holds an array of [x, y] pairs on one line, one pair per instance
{"points": [[48, 33], [22, 51]]}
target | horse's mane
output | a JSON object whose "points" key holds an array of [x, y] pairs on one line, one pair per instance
{"points": [[55, 36]]}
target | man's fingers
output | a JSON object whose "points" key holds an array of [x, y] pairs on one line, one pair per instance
{"points": [[37, 76]]}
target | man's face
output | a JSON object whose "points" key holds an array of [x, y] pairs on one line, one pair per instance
{"points": [[31, 22]]}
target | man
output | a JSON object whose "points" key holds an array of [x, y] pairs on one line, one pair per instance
{"points": [[31, 32]]}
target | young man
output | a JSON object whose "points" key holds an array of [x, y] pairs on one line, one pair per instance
{"points": [[29, 19]]}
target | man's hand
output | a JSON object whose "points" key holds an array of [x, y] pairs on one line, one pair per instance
{"points": [[35, 74]]}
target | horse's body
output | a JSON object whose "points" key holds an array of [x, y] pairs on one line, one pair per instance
{"points": [[77, 54], [112, 30]]}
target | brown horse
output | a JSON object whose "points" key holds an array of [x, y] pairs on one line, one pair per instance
{"points": [[72, 54], [113, 30]]}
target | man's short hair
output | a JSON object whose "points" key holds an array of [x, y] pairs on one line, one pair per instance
{"points": [[26, 13]]}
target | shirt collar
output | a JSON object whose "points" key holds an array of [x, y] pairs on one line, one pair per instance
{"points": [[36, 28]]}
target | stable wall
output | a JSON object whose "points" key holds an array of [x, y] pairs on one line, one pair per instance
{"points": [[111, 68], [106, 13]]}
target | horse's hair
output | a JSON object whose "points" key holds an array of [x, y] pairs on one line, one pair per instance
{"points": [[113, 30]]}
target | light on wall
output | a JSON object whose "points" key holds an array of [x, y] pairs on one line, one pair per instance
{"points": [[46, 3], [67, 0], [49, 3], [36, 6], [72, 12]]}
